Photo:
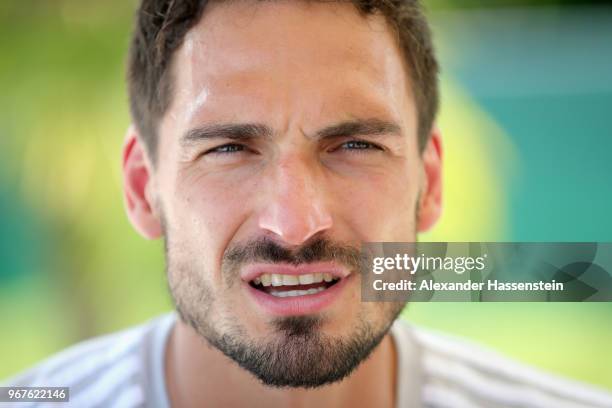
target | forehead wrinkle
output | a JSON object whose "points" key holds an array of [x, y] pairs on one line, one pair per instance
{"points": [[232, 75]]}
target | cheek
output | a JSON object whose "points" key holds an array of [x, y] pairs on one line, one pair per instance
{"points": [[381, 206], [205, 218]]}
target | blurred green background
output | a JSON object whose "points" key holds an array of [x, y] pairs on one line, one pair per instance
{"points": [[527, 100]]}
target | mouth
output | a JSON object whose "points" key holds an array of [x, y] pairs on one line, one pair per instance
{"points": [[278, 285], [284, 290]]}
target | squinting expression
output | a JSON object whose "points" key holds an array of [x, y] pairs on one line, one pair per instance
{"points": [[290, 140]]}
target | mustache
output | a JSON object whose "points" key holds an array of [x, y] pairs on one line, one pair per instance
{"points": [[319, 250]]}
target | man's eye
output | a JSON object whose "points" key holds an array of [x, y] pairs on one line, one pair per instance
{"points": [[226, 149], [359, 145]]}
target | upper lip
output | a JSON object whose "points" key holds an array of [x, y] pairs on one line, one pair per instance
{"points": [[255, 270]]}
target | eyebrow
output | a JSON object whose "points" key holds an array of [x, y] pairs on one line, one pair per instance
{"points": [[243, 131], [233, 131], [367, 127]]}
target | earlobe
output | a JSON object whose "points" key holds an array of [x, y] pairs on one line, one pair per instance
{"points": [[137, 187], [430, 205]]}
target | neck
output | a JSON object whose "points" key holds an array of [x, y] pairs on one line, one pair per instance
{"points": [[200, 375]]}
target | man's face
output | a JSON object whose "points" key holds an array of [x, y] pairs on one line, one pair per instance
{"points": [[291, 139]]}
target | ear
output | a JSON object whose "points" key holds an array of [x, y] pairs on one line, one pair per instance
{"points": [[137, 187], [430, 205]]}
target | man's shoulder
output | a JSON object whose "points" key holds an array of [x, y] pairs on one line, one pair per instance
{"points": [[97, 367], [78, 360], [455, 372]]}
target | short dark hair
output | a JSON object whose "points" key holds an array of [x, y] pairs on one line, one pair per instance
{"points": [[161, 26]]}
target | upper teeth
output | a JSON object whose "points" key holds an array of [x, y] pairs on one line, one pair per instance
{"points": [[274, 279]]}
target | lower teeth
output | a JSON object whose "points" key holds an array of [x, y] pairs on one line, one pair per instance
{"points": [[291, 293]]}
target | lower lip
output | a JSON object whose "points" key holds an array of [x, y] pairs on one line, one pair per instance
{"points": [[298, 305]]}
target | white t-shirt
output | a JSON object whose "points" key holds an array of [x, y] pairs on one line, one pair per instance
{"points": [[125, 369]]}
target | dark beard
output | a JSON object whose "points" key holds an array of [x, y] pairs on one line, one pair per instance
{"points": [[302, 356], [299, 355]]}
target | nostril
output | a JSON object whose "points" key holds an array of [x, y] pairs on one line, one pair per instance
{"points": [[295, 219]]}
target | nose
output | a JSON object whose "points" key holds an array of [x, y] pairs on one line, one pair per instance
{"points": [[295, 208]]}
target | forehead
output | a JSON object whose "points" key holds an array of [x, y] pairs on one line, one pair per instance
{"points": [[285, 60]]}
